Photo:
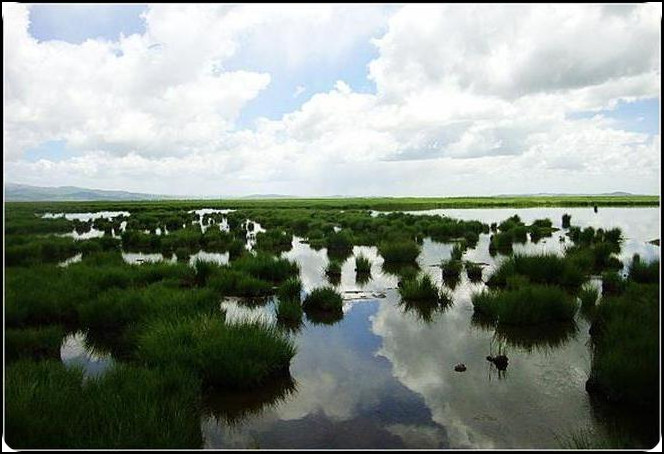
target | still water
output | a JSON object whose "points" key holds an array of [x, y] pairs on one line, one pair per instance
{"points": [[383, 376]]}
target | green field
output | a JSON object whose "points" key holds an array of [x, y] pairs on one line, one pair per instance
{"points": [[375, 203]]}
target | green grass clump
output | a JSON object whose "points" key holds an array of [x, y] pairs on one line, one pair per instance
{"points": [[266, 267], [501, 242], [290, 290], [644, 273], [566, 220], [457, 251], [451, 270], [221, 354], [37, 343], [118, 309], [474, 271], [529, 305], [362, 265], [324, 299], [547, 269], [49, 406], [588, 296], [339, 244], [274, 241], [203, 270], [333, 269], [25, 250], [625, 334], [230, 282], [419, 289], [613, 283], [289, 311], [41, 295], [399, 251]]}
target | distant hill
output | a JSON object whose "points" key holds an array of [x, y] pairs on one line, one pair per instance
{"points": [[26, 193], [265, 196]]}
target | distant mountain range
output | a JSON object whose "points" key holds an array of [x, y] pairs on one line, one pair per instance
{"points": [[25, 193]]}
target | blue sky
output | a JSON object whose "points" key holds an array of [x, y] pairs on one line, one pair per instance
{"points": [[76, 23], [427, 90]]}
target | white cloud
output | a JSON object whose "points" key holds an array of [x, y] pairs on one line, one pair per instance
{"points": [[479, 95]]}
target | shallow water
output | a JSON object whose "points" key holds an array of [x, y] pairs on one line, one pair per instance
{"points": [[383, 377], [74, 352], [86, 216]]}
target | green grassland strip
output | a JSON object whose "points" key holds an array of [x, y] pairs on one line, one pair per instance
{"points": [[378, 203]]}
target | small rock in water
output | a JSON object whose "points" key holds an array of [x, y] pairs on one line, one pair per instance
{"points": [[460, 367]]}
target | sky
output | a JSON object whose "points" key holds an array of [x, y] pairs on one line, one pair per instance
{"points": [[323, 99]]}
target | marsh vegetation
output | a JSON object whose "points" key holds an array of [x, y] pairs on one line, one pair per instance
{"points": [[180, 353]]}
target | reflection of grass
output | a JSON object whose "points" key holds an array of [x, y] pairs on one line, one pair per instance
{"points": [[233, 407], [319, 317], [362, 278], [423, 309], [128, 407], [403, 271], [540, 338]]}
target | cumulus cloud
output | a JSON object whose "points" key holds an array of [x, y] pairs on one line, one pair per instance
{"points": [[479, 92], [155, 94]]}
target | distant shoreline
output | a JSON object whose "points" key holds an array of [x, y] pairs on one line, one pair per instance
{"points": [[371, 203]]}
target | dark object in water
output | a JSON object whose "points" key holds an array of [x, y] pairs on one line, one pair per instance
{"points": [[595, 208], [500, 361], [461, 367]]}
